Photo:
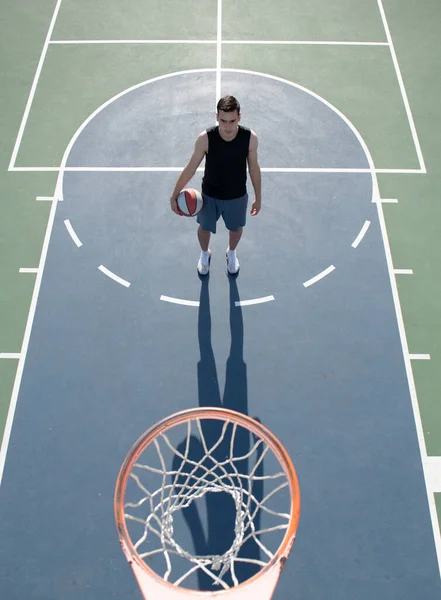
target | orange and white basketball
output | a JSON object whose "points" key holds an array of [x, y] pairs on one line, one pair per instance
{"points": [[190, 202]]}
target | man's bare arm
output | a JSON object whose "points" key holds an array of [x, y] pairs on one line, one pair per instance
{"points": [[254, 169], [200, 149]]}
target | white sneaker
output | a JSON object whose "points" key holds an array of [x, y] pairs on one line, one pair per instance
{"points": [[204, 265], [232, 262]]}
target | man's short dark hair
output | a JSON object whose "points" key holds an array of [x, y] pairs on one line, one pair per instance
{"points": [[228, 104]]}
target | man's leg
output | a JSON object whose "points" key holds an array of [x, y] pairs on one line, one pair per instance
{"points": [[232, 260], [204, 259], [235, 218], [234, 238], [204, 238]]}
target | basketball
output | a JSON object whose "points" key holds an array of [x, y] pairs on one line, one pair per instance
{"points": [[190, 202]]}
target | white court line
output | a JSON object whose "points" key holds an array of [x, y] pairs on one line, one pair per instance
{"points": [[75, 42], [179, 301], [72, 233], [402, 88], [403, 171], [45, 198], [34, 87], [253, 42], [389, 200], [419, 356], [28, 270], [25, 344], [34, 169], [304, 42], [403, 271], [119, 280], [219, 50], [255, 301], [179, 169], [432, 471], [15, 355], [411, 381], [319, 276], [361, 235]]}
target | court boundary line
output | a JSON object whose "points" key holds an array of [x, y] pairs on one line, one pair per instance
{"points": [[398, 311], [25, 344], [411, 385]]}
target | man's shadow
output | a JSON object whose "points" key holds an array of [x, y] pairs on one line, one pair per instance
{"points": [[217, 536]]}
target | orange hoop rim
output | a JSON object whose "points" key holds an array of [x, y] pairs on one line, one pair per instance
{"points": [[220, 414]]}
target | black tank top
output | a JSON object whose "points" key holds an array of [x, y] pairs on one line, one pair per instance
{"points": [[226, 165]]}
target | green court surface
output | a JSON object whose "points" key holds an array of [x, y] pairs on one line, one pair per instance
{"points": [[382, 73]]}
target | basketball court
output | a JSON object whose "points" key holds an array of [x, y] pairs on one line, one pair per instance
{"points": [[308, 339]]}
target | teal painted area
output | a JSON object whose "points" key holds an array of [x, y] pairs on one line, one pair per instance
{"points": [[343, 20], [358, 81], [131, 20], [78, 79]]}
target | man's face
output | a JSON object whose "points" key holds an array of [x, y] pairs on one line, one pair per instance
{"points": [[228, 122]]}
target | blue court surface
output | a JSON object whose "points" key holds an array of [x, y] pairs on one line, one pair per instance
{"points": [[318, 359]]}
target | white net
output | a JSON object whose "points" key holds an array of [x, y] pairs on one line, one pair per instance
{"points": [[243, 486]]}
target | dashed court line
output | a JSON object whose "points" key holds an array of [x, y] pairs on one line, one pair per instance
{"points": [[13, 355], [238, 303], [254, 301], [361, 235], [179, 301], [319, 276], [419, 356], [113, 276], [72, 233], [28, 270], [403, 271]]}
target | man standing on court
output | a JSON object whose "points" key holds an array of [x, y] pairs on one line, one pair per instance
{"points": [[227, 148]]}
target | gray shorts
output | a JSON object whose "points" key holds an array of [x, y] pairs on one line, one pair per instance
{"points": [[234, 213]]}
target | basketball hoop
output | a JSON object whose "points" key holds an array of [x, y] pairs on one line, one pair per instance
{"points": [[201, 455]]}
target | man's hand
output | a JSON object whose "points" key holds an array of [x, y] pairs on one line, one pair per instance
{"points": [[174, 206], [255, 208]]}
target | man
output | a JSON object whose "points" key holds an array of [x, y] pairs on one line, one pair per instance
{"points": [[227, 148]]}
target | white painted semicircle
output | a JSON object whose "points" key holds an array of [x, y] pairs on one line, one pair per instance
{"points": [[59, 185]]}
